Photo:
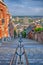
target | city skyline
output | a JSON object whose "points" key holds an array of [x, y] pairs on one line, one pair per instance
{"points": [[25, 7]]}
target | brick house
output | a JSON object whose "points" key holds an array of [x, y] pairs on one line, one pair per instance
{"points": [[4, 20]]}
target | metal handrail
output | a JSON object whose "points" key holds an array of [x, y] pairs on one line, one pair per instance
{"points": [[16, 53], [26, 57], [12, 60]]}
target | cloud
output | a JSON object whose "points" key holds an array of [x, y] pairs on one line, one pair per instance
{"points": [[22, 10], [25, 7], [37, 0]]}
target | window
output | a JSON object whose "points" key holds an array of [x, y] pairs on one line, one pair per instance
{"points": [[3, 21]]}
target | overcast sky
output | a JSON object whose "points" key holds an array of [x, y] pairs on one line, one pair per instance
{"points": [[25, 7]]}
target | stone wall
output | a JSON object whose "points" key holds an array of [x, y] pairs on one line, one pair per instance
{"points": [[38, 37]]}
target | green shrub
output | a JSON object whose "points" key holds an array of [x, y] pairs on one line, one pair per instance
{"points": [[42, 29], [15, 33], [23, 34], [38, 29]]}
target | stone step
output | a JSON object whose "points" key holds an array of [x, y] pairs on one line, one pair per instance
{"points": [[4, 63]]}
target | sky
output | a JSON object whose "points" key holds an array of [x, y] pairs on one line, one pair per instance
{"points": [[25, 7]]}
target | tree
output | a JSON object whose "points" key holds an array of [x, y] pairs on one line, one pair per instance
{"points": [[23, 34], [15, 33], [30, 20]]}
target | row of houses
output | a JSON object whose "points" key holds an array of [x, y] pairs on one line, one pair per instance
{"points": [[31, 34]]}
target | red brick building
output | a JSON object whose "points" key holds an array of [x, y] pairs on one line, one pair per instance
{"points": [[4, 20]]}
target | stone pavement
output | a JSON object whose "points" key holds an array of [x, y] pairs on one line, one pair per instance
{"points": [[33, 49]]}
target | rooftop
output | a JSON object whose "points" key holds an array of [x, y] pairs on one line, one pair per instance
{"points": [[2, 2]]}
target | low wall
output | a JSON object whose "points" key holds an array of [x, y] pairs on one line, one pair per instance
{"points": [[38, 36]]}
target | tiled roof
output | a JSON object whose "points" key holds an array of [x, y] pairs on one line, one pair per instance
{"points": [[29, 29]]}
